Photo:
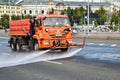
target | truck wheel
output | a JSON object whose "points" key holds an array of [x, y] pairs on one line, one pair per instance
{"points": [[18, 45], [12, 45], [64, 49], [36, 47]]}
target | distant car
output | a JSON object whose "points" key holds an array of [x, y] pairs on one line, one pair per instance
{"points": [[7, 30], [75, 30]]}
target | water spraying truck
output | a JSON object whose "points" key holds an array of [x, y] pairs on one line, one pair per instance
{"points": [[49, 32]]}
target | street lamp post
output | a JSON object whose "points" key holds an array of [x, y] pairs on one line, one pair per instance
{"points": [[19, 2], [9, 2], [88, 18], [36, 8], [9, 11]]}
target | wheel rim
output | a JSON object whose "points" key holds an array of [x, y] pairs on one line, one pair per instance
{"points": [[36, 47], [12, 46], [17, 46]]}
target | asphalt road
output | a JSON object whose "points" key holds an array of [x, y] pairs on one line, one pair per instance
{"points": [[78, 67], [69, 69]]}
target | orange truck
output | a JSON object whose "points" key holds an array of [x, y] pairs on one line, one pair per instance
{"points": [[51, 32]]}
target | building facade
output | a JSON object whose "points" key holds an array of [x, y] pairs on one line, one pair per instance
{"points": [[37, 7], [10, 10]]}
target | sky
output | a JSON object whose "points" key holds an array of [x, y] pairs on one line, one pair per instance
{"points": [[90, 0], [81, 0], [86, 0]]}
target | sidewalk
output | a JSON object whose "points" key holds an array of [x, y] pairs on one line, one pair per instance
{"points": [[100, 35], [4, 34]]}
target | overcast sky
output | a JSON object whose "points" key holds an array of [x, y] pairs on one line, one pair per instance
{"points": [[86, 0], [89, 0]]}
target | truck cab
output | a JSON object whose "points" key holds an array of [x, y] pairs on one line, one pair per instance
{"points": [[53, 31]]}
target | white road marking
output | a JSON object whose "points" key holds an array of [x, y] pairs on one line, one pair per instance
{"points": [[3, 42], [91, 43], [5, 54], [4, 37], [53, 62], [114, 45], [101, 44]]}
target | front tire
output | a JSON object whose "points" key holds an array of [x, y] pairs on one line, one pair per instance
{"points": [[36, 47]]}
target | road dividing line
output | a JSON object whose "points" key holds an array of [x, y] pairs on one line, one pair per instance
{"points": [[101, 44], [114, 45], [4, 37], [53, 62], [91, 43]]}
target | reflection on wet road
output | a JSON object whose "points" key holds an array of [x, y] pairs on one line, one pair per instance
{"points": [[107, 53], [99, 52], [9, 58]]}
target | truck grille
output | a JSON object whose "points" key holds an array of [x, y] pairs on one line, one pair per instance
{"points": [[54, 36]]}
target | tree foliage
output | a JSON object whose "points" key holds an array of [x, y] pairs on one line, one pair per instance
{"points": [[5, 19], [114, 18], [102, 15], [52, 11], [75, 15], [95, 23]]}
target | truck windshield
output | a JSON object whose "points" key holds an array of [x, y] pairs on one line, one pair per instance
{"points": [[56, 22]]}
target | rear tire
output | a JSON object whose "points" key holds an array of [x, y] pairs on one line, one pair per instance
{"points": [[13, 45], [18, 45]]}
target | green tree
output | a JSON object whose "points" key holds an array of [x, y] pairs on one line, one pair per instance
{"points": [[95, 23], [81, 22], [75, 15], [51, 12], [102, 13], [14, 17], [114, 18], [5, 20], [6, 23], [26, 16], [62, 12]]}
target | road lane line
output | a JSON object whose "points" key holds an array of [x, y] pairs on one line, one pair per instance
{"points": [[4, 37], [91, 43], [114, 45], [53, 62], [101, 44]]}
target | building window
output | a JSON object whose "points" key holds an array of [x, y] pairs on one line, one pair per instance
{"points": [[13, 7], [18, 7], [24, 11], [30, 12]]}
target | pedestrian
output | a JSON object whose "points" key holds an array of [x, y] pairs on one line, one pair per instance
{"points": [[32, 27]]}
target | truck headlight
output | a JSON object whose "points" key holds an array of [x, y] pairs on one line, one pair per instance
{"points": [[46, 30]]}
